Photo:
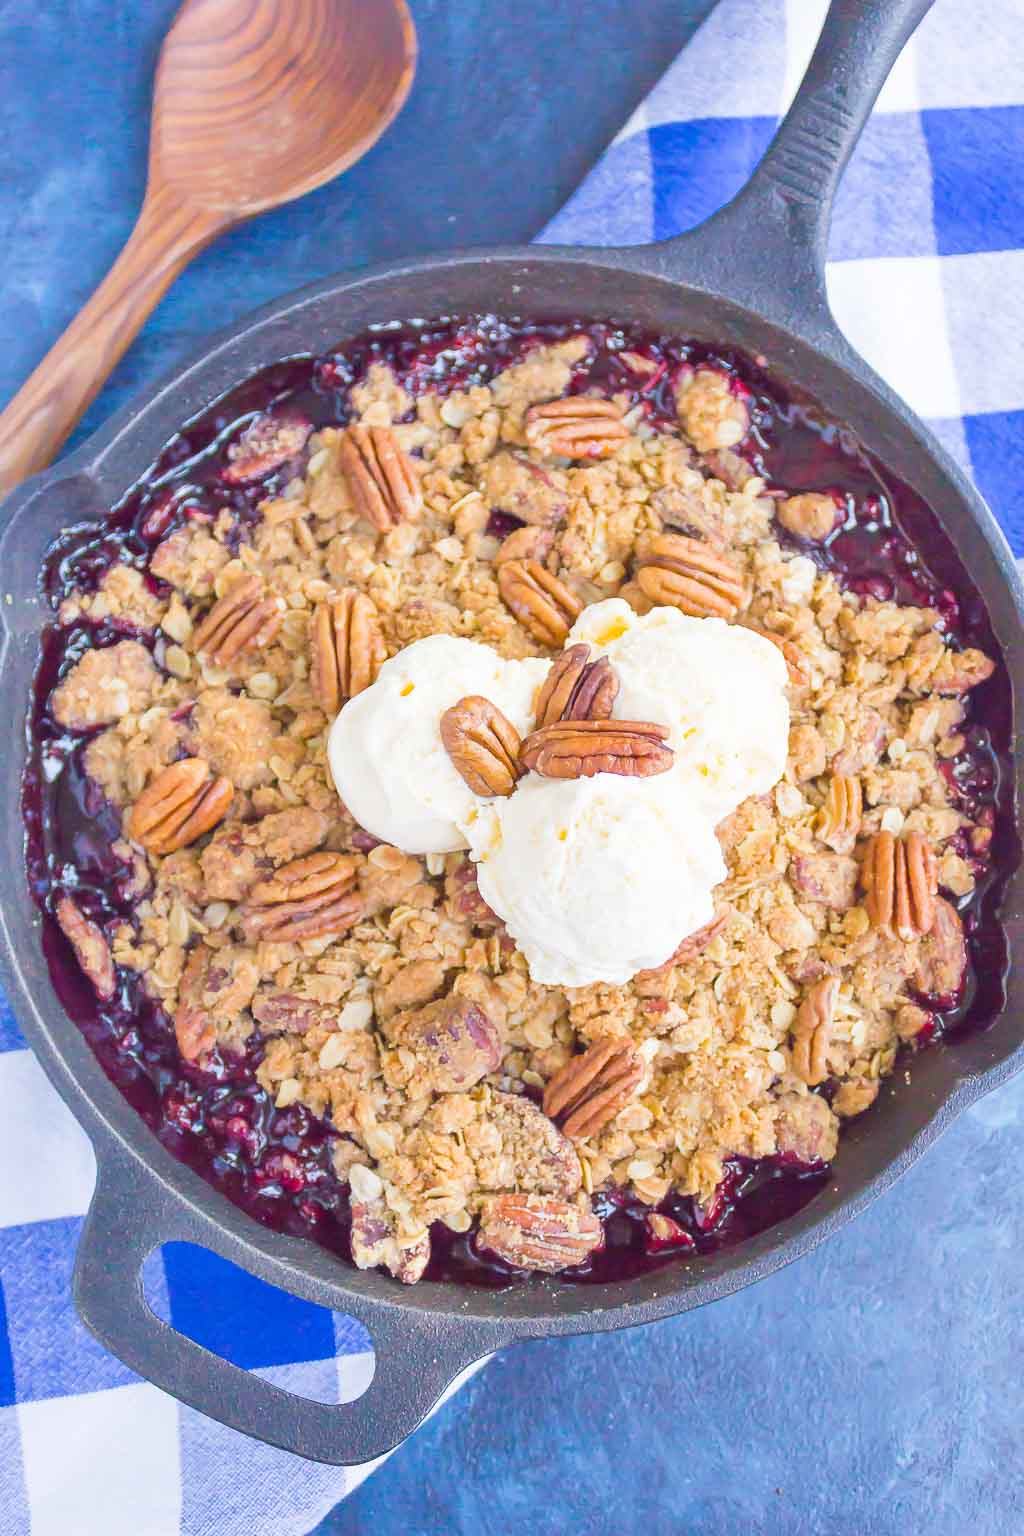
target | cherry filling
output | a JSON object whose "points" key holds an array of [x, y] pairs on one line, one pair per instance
{"points": [[276, 1164]]}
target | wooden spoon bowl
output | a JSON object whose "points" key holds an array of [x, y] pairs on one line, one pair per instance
{"points": [[256, 102]]}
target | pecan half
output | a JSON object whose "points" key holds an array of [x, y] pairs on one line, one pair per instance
{"points": [[482, 744], [543, 605], [382, 483], [89, 944], [942, 957], [307, 899], [179, 805], [538, 1232], [840, 816], [581, 427], [592, 1088], [577, 688], [243, 617], [347, 648], [577, 749], [900, 878], [268, 443], [812, 1030], [686, 574]]}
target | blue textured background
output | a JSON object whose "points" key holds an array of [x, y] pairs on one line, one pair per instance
{"points": [[875, 1388]]}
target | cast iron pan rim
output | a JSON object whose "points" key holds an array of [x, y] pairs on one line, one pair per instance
{"points": [[111, 461]]}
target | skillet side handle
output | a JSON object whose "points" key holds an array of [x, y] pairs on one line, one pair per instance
{"points": [[767, 247], [417, 1354]]}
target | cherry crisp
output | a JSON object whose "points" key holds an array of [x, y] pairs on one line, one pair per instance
{"points": [[341, 1036]]}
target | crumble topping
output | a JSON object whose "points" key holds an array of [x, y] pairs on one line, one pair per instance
{"points": [[367, 1026]]}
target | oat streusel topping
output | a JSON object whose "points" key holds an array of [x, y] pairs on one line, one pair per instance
{"points": [[388, 996]]}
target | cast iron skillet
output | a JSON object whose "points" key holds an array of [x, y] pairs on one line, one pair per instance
{"points": [[751, 277]]}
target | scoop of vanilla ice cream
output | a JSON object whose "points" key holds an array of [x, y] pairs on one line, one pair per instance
{"points": [[596, 878], [387, 759], [720, 688]]}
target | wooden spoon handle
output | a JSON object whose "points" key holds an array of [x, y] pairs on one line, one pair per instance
{"points": [[37, 421]]}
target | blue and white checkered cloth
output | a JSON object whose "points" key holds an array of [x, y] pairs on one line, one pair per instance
{"points": [[926, 275], [927, 280]]}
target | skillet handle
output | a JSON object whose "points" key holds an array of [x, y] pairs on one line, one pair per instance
{"points": [[418, 1354], [767, 247]]}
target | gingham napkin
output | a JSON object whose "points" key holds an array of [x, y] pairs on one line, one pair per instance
{"points": [[927, 279]]}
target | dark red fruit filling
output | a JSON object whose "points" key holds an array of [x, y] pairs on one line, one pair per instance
{"points": [[274, 1163]]}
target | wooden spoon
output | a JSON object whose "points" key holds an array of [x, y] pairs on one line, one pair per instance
{"points": [[256, 102]]}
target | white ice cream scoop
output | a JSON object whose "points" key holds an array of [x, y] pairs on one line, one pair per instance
{"points": [[720, 688], [596, 878], [387, 759]]}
